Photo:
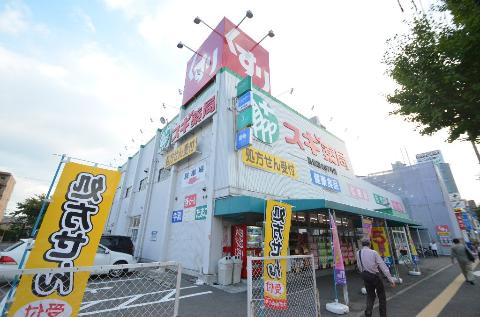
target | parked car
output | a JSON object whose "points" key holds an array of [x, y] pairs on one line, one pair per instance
{"points": [[118, 243], [11, 257]]}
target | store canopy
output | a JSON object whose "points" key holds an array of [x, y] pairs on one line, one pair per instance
{"points": [[233, 206]]}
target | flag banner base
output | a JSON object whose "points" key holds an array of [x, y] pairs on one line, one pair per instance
{"points": [[414, 273], [337, 308], [397, 279]]}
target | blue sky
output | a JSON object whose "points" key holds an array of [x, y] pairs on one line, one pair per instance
{"points": [[83, 77]]}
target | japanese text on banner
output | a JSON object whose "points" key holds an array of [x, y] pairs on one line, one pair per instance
{"points": [[68, 237], [278, 217]]}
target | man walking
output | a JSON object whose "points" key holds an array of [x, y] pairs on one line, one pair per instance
{"points": [[434, 248], [459, 252], [369, 263]]}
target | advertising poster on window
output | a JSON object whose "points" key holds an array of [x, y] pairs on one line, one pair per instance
{"points": [[381, 244], [278, 218], [340, 277], [367, 228], [76, 216]]}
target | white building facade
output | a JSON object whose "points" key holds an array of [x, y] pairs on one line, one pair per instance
{"points": [[181, 193]]}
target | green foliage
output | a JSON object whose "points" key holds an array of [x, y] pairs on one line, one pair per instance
{"points": [[437, 69], [26, 214]]}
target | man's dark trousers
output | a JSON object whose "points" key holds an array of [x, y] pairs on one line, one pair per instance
{"points": [[373, 283]]}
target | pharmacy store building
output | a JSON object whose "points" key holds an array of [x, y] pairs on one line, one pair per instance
{"points": [[197, 191]]}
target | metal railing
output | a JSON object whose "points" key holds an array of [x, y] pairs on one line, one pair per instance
{"points": [[301, 290], [142, 289]]}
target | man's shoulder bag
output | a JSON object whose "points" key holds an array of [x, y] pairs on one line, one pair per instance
{"points": [[366, 275]]}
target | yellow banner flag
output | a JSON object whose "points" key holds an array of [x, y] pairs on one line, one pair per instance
{"points": [[277, 231], [69, 236], [381, 244]]}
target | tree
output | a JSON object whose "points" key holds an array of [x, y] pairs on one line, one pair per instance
{"points": [[437, 68], [26, 213]]}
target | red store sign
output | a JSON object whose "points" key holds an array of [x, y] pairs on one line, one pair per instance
{"points": [[227, 46], [316, 145], [190, 201], [459, 217], [194, 118]]}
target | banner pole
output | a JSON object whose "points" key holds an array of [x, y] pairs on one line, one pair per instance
{"points": [[391, 249], [333, 255], [32, 235], [344, 287]]}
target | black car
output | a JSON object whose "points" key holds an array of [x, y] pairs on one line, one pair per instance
{"points": [[118, 243]]}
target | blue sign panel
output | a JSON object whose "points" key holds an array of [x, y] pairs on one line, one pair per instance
{"points": [[467, 222], [177, 216], [243, 138], [244, 101], [325, 181]]}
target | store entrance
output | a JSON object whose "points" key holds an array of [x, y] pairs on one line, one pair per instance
{"points": [[401, 243]]}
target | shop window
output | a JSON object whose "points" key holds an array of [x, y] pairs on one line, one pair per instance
{"points": [[143, 184], [163, 173], [134, 227], [128, 191]]}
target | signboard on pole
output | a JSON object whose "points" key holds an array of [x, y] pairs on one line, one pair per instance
{"points": [[278, 218], [340, 277], [381, 244], [68, 237]]}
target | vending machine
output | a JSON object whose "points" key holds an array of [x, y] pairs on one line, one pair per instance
{"points": [[247, 241]]}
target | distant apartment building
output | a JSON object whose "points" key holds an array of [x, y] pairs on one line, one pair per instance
{"points": [[7, 182]]}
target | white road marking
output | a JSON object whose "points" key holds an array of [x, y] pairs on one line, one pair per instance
{"points": [[95, 290], [125, 305], [116, 281]]}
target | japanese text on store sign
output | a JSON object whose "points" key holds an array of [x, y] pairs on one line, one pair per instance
{"points": [[194, 175], [194, 118], [397, 206], [315, 145], [182, 151], [381, 200], [177, 216], [357, 192], [268, 162], [325, 181], [83, 197], [190, 201], [227, 46], [459, 217], [238, 236]]}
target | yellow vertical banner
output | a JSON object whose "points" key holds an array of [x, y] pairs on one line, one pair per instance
{"points": [[278, 217], [69, 236], [381, 244]]}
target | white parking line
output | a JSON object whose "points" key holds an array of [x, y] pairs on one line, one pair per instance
{"points": [[170, 296], [116, 281], [95, 290]]}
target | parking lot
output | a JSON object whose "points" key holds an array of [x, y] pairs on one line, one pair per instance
{"points": [[135, 296]]}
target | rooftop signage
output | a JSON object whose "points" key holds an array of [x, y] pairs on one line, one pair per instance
{"points": [[226, 46]]}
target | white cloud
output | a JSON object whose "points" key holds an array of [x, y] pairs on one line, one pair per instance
{"points": [[86, 20], [14, 18]]}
